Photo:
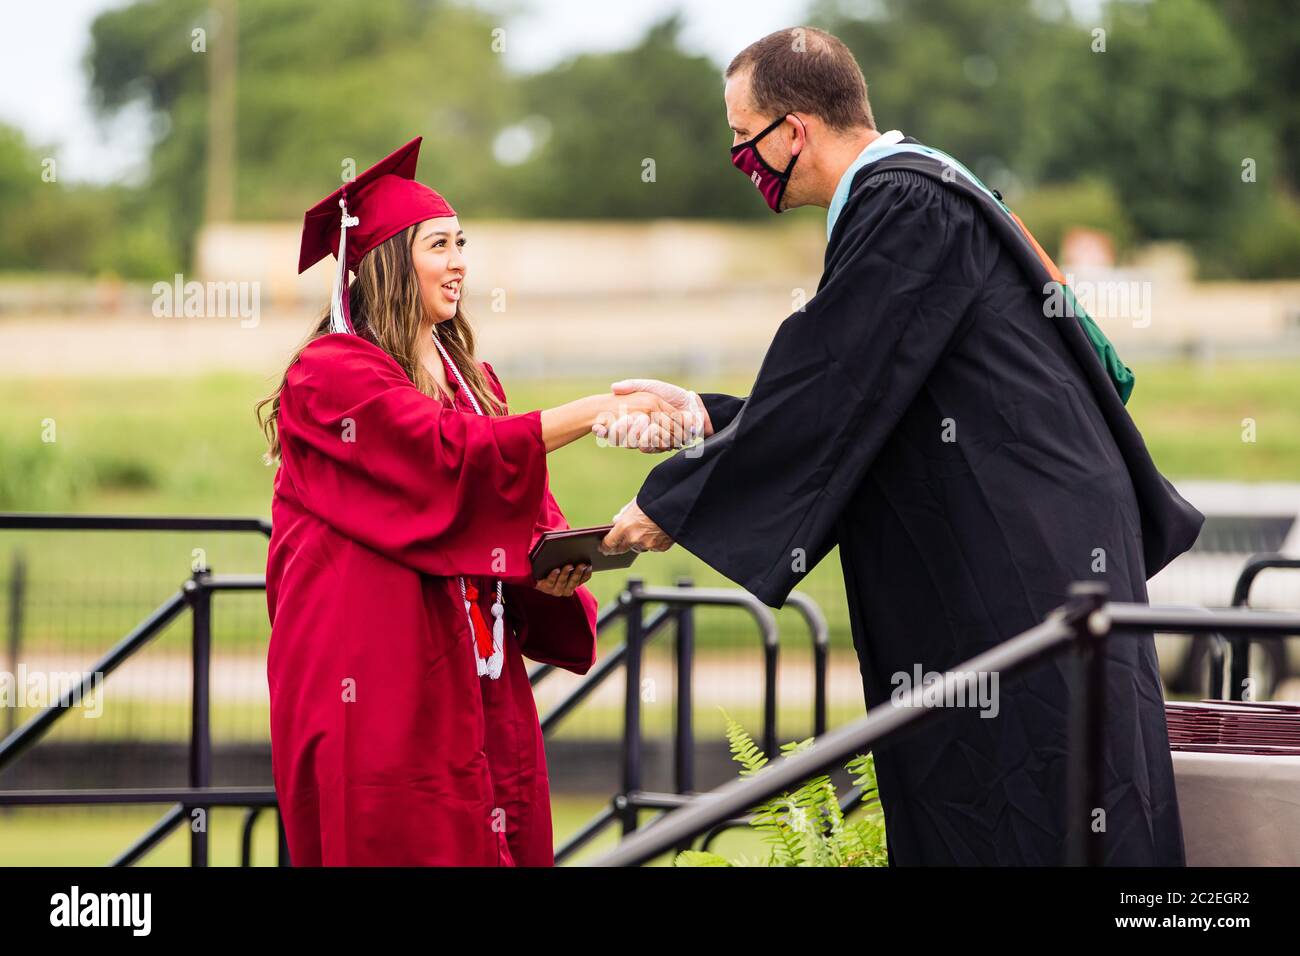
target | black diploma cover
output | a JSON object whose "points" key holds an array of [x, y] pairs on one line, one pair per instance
{"points": [[555, 549]]}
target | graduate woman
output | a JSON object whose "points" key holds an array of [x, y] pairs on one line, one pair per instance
{"points": [[403, 728]]}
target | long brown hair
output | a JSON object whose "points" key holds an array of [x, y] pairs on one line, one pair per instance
{"points": [[386, 309]]}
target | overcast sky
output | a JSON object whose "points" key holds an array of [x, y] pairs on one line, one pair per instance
{"points": [[43, 85]]}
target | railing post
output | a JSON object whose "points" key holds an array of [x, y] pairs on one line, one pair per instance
{"points": [[246, 837], [1085, 770], [1239, 668], [632, 704], [817, 629], [200, 599], [770, 648], [684, 752], [1217, 661], [821, 660], [1239, 644], [17, 598]]}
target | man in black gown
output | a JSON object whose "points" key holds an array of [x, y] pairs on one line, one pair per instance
{"points": [[963, 442]]}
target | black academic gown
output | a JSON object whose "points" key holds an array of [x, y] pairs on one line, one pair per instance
{"points": [[971, 459]]}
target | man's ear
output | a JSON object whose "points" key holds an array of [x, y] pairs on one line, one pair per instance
{"points": [[799, 135]]}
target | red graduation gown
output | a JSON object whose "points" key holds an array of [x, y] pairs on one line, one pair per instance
{"points": [[387, 748]]}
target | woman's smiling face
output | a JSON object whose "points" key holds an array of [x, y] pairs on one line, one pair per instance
{"points": [[438, 255]]}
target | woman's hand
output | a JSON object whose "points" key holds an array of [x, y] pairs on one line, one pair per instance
{"points": [[642, 419], [568, 422], [693, 411], [562, 582]]}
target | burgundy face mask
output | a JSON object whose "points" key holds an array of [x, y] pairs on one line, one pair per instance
{"points": [[746, 157]]}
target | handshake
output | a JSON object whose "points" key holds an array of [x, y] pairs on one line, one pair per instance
{"points": [[652, 416]]}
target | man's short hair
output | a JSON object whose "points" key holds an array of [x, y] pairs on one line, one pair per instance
{"points": [[805, 70]]}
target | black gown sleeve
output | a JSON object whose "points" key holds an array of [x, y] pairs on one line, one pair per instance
{"points": [[721, 408], [759, 499]]}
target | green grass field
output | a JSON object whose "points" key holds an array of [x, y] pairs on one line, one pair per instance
{"points": [[191, 446]]}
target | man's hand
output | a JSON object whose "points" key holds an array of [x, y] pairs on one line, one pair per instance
{"points": [[631, 432], [634, 531]]}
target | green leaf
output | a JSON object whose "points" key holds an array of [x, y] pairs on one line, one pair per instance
{"points": [[700, 858], [807, 827]]}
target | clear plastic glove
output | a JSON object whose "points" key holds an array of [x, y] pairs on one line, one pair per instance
{"points": [[650, 436], [634, 531], [639, 419]]}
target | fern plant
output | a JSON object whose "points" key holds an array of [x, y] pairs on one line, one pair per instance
{"points": [[806, 827]]}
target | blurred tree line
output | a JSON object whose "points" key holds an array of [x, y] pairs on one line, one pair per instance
{"points": [[1179, 121], [1168, 119]]}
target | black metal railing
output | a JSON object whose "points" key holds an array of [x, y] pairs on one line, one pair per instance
{"points": [[685, 815], [1080, 627], [676, 609], [196, 596], [1240, 642]]}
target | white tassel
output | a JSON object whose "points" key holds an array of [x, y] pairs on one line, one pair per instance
{"points": [[482, 664], [498, 640], [337, 321]]}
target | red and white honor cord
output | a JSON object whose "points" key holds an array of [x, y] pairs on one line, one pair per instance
{"points": [[489, 650]]}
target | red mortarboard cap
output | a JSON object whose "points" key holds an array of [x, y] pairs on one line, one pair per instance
{"points": [[383, 200]]}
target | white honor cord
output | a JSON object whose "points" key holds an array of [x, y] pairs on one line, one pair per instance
{"points": [[492, 666]]}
